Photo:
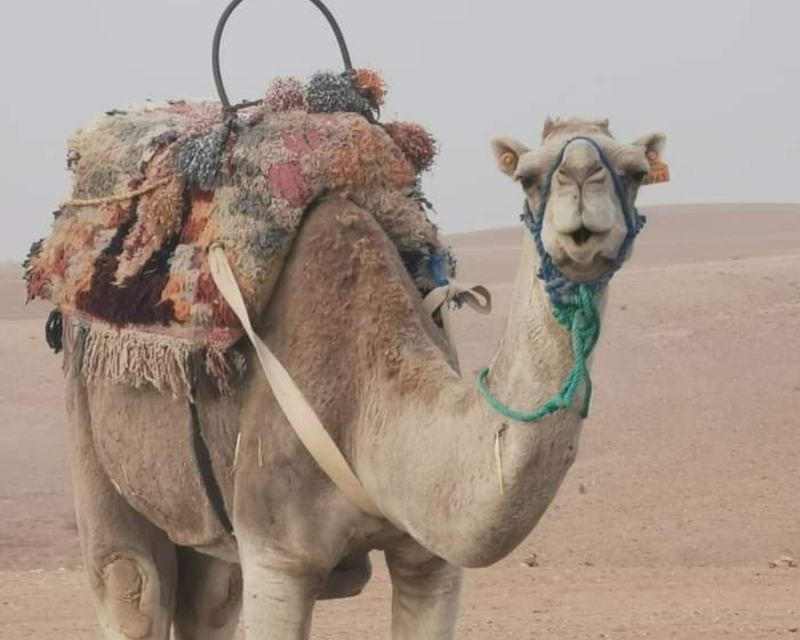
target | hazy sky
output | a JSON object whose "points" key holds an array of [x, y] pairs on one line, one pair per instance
{"points": [[720, 77]]}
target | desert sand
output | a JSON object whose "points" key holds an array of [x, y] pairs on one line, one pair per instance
{"points": [[685, 491]]}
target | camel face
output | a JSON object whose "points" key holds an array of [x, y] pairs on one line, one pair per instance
{"points": [[569, 181]]}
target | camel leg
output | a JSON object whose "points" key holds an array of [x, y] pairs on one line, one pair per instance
{"points": [[425, 594], [131, 563], [279, 595], [209, 597]]}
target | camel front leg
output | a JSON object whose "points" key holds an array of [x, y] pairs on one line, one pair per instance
{"points": [[425, 594], [278, 595]]}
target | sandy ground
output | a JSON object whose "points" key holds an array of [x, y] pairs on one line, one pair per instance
{"points": [[685, 489]]}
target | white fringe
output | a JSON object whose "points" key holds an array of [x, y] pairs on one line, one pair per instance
{"points": [[138, 359]]}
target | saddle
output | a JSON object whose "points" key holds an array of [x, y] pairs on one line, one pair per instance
{"points": [[156, 186]]}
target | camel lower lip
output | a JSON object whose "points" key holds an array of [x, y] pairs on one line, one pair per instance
{"points": [[584, 261], [582, 268]]}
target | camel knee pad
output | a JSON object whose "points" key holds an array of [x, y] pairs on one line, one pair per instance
{"points": [[226, 598], [127, 595]]}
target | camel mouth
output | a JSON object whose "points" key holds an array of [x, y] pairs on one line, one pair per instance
{"points": [[581, 236]]}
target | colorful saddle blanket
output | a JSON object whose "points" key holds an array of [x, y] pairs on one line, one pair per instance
{"points": [[125, 261]]}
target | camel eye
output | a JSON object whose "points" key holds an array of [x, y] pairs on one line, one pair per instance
{"points": [[631, 177], [527, 181]]}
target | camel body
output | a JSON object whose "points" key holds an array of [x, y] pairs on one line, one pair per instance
{"points": [[349, 324]]}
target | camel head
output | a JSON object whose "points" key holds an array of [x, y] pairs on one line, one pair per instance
{"points": [[571, 191]]}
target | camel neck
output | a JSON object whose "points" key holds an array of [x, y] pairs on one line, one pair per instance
{"points": [[535, 354], [472, 483]]}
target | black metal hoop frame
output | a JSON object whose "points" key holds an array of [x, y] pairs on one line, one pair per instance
{"points": [[223, 96]]}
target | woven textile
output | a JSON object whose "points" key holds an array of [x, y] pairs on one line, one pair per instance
{"points": [[154, 187]]}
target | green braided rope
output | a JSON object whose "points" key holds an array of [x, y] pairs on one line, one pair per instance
{"points": [[580, 316]]}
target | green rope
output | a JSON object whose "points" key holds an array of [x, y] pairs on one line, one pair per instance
{"points": [[580, 317]]}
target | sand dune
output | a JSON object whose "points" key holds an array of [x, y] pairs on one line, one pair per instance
{"points": [[684, 490]]}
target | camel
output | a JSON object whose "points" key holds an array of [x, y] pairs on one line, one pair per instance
{"points": [[349, 324]]}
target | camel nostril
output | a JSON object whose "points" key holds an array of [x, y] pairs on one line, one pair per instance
{"points": [[581, 235], [567, 175], [597, 175]]}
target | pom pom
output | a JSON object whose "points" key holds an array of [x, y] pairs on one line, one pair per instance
{"points": [[199, 159], [370, 85], [285, 94], [333, 93], [418, 146]]}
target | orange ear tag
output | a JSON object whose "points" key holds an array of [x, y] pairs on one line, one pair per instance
{"points": [[508, 160], [659, 170]]}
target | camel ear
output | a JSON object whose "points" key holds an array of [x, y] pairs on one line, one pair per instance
{"points": [[652, 143], [604, 126], [507, 152], [547, 128]]}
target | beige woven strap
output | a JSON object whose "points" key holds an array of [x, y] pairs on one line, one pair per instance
{"points": [[295, 407], [476, 296]]}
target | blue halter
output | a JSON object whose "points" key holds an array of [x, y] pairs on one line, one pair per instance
{"points": [[558, 287]]}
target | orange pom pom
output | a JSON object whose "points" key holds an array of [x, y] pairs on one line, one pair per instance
{"points": [[370, 85], [415, 143]]}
